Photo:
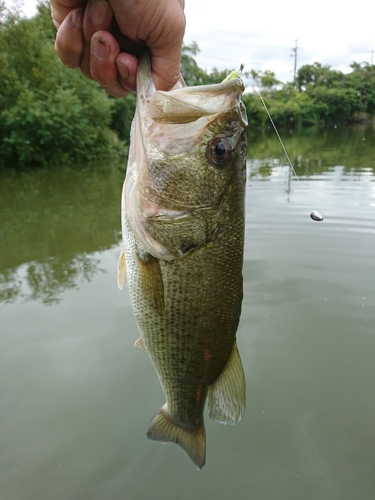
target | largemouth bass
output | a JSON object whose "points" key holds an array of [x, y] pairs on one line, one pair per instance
{"points": [[183, 237]]}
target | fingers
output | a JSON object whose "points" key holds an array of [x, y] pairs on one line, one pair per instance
{"points": [[127, 68], [103, 67], [69, 39], [165, 69], [60, 9], [98, 17], [100, 58], [165, 43], [160, 25], [88, 37], [83, 41]]}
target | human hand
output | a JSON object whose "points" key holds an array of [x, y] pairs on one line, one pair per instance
{"points": [[103, 38]]}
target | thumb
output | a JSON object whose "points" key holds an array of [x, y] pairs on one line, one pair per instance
{"points": [[165, 67], [165, 43]]}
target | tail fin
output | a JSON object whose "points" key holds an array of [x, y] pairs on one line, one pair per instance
{"points": [[162, 428]]}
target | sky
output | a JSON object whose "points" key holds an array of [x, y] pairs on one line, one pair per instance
{"points": [[261, 35]]}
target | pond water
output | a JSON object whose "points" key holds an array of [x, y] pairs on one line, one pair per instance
{"points": [[77, 397]]}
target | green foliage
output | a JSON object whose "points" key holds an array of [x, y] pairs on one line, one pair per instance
{"points": [[316, 75], [193, 74], [362, 79], [265, 80], [48, 128], [339, 97], [323, 95], [256, 114], [122, 116], [190, 70], [48, 113]]}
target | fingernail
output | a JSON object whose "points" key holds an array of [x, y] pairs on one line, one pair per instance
{"points": [[99, 11], [124, 74], [123, 70], [77, 18], [100, 49]]}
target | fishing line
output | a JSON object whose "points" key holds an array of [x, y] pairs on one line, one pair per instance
{"points": [[315, 215]]}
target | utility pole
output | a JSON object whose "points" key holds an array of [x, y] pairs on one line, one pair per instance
{"points": [[294, 50], [372, 53]]}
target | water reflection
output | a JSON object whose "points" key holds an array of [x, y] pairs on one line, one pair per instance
{"points": [[76, 397], [51, 223], [44, 281], [315, 151], [53, 220]]}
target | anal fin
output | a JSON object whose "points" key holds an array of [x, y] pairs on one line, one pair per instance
{"points": [[193, 441], [227, 395]]}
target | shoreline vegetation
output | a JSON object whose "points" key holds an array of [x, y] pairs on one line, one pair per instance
{"points": [[52, 115]]}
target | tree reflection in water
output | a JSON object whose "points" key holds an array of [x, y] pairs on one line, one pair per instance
{"points": [[53, 222], [45, 281]]}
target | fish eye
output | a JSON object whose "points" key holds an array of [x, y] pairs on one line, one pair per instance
{"points": [[218, 151]]}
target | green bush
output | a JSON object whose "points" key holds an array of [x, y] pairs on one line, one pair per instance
{"points": [[45, 128], [48, 113]]}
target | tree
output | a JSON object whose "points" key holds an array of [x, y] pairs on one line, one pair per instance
{"points": [[48, 113], [362, 78], [315, 75], [192, 73]]}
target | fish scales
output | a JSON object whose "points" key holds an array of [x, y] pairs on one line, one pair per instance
{"points": [[194, 312], [183, 233]]}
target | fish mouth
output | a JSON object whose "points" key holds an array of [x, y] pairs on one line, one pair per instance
{"points": [[184, 104]]}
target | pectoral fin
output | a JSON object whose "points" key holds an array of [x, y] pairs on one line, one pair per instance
{"points": [[151, 280], [121, 269], [139, 344], [227, 395], [193, 441]]}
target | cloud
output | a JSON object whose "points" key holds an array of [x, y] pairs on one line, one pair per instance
{"points": [[264, 33], [230, 32]]}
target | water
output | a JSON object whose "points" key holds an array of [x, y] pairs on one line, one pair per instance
{"points": [[76, 397]]}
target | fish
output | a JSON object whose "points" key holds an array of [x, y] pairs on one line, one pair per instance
{"points": [[182, 213]]}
